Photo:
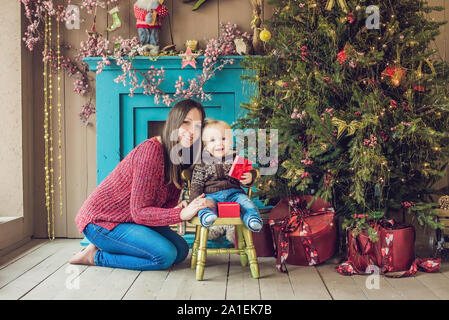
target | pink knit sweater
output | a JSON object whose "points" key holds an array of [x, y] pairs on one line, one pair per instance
{"points": [[133, 192]]}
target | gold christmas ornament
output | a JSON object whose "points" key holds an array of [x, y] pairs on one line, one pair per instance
{"points": [[192, 44], [265, 35], [444, 202], [342, 3]]}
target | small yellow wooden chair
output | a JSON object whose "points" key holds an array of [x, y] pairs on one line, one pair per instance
{"points": [[245, 243]]}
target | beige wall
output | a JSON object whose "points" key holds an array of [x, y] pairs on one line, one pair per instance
{"points": [[79, 160], [11, 185], [16, 130]]}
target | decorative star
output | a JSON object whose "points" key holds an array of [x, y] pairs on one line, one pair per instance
{"points": [[188, 58]]}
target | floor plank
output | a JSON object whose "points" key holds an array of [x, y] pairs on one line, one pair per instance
{"points": [[340, 287], [307, 283], [241, 285], [213, 286], [179, 282], [14, 270], [26, 282], [39, 270], [22, 251], [412, 289], [65, 278], [436, 282], [377, 288], [147, 285], [274, 285], [100, 283]]}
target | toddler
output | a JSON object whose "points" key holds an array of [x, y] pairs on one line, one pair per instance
{"points": [[211, 177]]}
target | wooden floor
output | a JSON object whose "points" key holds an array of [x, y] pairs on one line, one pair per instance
{"points": [[39, 270]]}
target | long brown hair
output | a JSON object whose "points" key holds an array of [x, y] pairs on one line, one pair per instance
{"points": [[174, 121]]}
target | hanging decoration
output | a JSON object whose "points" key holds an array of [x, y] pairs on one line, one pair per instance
{"points": [[116, 22], [265, 35], [59, 107], [46, 131], [395, 73], [342, 3], [255, 26]]}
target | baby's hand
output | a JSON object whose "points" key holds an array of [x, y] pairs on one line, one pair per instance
{"points": [[247, 178]]}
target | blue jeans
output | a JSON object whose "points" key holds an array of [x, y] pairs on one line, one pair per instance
{"points": [[148, 36], [136, 247], [247, 208]]}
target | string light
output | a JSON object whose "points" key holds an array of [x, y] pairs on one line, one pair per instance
{"points": [[46, 168], [59, 118], [50, 129]]}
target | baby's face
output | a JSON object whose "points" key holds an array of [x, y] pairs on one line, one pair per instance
{"points": [[218, 140]]}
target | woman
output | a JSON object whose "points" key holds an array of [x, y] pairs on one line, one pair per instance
{"points": [[127, 217]]}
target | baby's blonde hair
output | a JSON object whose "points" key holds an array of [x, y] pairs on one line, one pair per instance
{"points": [[212, 122]]}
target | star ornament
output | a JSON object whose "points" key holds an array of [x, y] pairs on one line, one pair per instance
{"points": [[188, 58]]}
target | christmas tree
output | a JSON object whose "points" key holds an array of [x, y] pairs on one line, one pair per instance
{"points": [[360, 102]]}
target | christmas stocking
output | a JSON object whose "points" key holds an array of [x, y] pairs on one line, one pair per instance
{"points": [[115, 19]]}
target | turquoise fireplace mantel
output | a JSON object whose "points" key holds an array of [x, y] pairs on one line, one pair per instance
{"points": [[123, 122]]}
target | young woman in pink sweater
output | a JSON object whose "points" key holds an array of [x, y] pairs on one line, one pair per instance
{"points": [[127, 216]]}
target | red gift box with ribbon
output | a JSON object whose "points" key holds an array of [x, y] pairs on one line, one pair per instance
{"points": [[228, 210], [394, 252], [239, 167], [303, 236]]}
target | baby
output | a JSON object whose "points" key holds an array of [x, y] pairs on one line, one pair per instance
{"points": [[211, 177]]}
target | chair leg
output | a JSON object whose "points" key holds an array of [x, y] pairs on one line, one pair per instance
{"points": [[241, 245], [202, 253], [251, 252], [195, 245]]}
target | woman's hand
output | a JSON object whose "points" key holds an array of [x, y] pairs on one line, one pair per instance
{"points": [[182, 204], [195, 205], [247, 178]]}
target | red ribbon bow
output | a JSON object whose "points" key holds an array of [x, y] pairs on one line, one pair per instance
{"points": [[239, 167]]}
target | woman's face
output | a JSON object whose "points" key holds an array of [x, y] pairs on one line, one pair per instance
{"points": [[190, 129]]}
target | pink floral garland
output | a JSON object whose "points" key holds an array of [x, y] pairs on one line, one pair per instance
{"points": [[123, 57], [126, 49]]}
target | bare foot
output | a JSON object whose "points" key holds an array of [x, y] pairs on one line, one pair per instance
{"points": [[86, 256]]}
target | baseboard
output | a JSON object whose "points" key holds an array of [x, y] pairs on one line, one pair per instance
{"points": [[14, 246]]}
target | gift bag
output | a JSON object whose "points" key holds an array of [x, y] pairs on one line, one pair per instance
{"points": [[302, 236], [393, 252]]}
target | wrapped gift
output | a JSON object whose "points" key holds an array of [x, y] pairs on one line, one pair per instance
{"points": [[228, 210], [303, 236], [239, 167], [393, 252]]}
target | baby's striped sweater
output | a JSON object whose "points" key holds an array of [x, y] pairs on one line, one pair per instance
{"points": [[134, 192]]}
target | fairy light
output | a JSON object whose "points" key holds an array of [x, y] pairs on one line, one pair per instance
{"points": [[59, 118], [46, 168], [50, 129]]}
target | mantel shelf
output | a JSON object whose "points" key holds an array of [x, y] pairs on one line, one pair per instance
{"points": [[167, 62]]}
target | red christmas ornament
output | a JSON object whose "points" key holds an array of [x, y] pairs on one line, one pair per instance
{"points": [[395, 73]]}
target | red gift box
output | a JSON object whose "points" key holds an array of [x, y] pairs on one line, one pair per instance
{"points": [[239, 167], [228, 210]]}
